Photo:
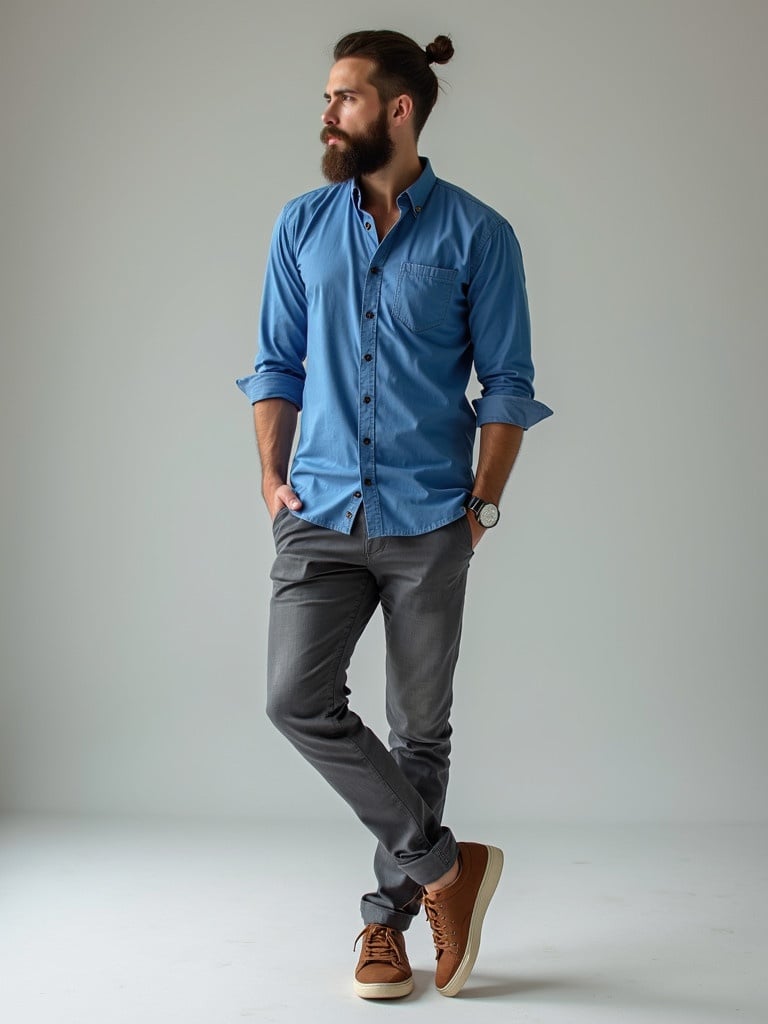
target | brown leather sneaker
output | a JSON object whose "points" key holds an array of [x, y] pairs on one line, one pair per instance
{"points": [[455, 914], [383, 971]]}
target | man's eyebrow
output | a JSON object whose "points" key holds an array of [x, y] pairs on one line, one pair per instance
{"points": [[342, 92]]}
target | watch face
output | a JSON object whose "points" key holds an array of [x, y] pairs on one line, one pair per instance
{"points": [[489, 515]]}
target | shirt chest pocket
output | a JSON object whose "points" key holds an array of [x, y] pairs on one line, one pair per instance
{"points": [[422, 296]]}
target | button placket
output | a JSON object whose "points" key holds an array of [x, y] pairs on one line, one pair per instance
{"points": [[369, 229], [369, 320], [367, 385]]}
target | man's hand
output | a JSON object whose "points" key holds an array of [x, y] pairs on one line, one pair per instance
{"points": [[476, 529], [281, 496]]}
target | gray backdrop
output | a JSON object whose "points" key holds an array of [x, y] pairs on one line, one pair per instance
{"points": [[616, 621]]}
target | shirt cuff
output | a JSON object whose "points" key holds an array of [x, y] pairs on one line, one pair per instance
{"points": [[272, 385], [524, 412]]}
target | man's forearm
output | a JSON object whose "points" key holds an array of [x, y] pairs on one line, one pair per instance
{"points": [[499, 445], [274, 421]]}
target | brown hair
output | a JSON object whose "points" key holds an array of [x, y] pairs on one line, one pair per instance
{"points": [[401, 66]]}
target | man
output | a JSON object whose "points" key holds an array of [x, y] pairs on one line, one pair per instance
{"points": [[381, 290]]}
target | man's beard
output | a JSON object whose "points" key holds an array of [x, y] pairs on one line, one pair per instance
{"points": [[361, 154]]}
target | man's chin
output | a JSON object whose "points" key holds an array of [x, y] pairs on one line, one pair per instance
{"points": [[335, 170]]}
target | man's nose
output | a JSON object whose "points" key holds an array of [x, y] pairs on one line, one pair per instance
{"points": [[329, 115]]}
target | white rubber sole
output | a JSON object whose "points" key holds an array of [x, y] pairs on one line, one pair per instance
{"points": [[391, 990], [485, 892]]}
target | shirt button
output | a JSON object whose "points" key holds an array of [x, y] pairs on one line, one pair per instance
{"points": [[366, 440], [367, 399], [367, 225], [357, 494], [367, 482], [418, 209], [349, 515], [374, 270], [367, 357], [369, 315]]}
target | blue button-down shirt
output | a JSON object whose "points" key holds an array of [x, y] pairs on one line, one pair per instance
{"points": [[374, 340]]}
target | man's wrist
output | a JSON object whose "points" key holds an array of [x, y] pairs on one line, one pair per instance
{"points": [[485, 513], [270, 483]]}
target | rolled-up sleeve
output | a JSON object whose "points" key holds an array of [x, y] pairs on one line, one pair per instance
{"points": [[500, 329], [279, 365]]}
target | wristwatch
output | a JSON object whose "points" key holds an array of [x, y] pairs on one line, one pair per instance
{"points": [[485, 512]]}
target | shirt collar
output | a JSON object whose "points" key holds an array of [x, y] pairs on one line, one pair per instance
{"points": [[416, 194]]}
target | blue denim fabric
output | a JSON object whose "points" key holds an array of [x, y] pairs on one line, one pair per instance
{"points": [[376, 339]]}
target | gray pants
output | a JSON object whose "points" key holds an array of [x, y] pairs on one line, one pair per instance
{"points": [[326, 586]]}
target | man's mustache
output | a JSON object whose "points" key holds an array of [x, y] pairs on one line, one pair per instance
{"points": [[328, 133]]}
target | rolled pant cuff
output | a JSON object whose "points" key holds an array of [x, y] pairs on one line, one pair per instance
{"points": [[391, 918], [432, 865]]}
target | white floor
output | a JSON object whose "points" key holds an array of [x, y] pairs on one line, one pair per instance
{"points": [[147, 921]]}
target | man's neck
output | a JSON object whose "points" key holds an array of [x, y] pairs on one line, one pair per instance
{"points": [[381, 189]]}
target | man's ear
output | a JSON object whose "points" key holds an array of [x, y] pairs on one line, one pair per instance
{"points": [[401, 110]]}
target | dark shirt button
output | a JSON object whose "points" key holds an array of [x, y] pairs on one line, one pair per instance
{"points": [[374, 270], [367, 482], [367, 225], [417, 209], [367, 357], [369, 315], [367, 399], [349, 515], [366, 440], [357, 494]]}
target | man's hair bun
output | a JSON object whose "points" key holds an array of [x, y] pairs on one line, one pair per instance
{"points": [[439, 51]]}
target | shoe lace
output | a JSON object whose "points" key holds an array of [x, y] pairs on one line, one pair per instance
{"points": [[440, 923], [378, 945]]}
